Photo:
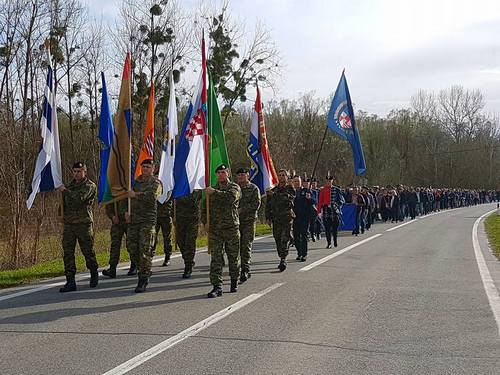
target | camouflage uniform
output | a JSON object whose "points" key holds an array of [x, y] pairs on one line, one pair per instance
{"points": [[248, 208], [224, 231], [118, 230], [164, 222], [187, 219], [77, 202], [279, 209], [141, 229]]}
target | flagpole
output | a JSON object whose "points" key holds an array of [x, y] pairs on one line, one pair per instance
{"points": [[207, 142], [175, 225], [47, 47], [172, 142], [319, 154], [129, 201]]}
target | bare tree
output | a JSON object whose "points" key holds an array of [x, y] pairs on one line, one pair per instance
{"points": [[458, 111]]}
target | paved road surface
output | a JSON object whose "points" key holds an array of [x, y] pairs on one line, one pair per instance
{"points": [[408, 301]]}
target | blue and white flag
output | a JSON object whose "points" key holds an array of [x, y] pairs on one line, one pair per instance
{"points": [[166, 172], [341, 121], [47, 175]]}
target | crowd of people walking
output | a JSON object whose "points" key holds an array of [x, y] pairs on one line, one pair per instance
{"points": [[298, 210]]}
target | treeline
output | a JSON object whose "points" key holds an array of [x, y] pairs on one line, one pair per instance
{"points": [[163, 37], [442, 139]]}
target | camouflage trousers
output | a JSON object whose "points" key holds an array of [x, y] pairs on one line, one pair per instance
{"points": [[186, 232], [140, 240], [165, 225], [84, 234], [117, 232], [220, 240], [247, 235], [281, 234]]}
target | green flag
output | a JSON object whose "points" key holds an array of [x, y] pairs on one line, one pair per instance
{"points": [[217, 151]]}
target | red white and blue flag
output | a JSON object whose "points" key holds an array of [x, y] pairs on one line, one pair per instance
{"points": [[263, 173], [190, 156]]}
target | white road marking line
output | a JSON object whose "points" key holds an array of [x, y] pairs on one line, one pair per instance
{"points": [[29, 291], [336, 254], [262, 237], [191, 331], [434, 213], [401, 225], [83, 277], [488, 284]]}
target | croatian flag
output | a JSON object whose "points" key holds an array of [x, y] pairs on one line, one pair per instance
{"points": [[166, 172], [263, 173], [47, 175], [190, 164]]}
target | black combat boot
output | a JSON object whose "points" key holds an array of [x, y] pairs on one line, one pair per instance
{"points": [[234, 286], [132, 270], [111, 272], [328, 245], [282, 265], [70, 285], [141, 285], [94, 278], [244, 276], [215, 292], [187, 272], [166, 262]]}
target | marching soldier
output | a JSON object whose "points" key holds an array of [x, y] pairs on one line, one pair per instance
{"points": [[303, 205], [248, 208], [164, 223], [78, 220], [142, 222], [187, 219], [279, 213], [224, 232], [116, 213]]}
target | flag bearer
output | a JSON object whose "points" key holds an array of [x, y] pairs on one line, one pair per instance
{"points": [[78, 220]]}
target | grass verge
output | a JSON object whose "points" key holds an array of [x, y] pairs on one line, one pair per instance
{"points": [[54, 268], [492, 225]]}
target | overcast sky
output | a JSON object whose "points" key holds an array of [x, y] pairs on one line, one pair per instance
{"points": [[389, 48]]}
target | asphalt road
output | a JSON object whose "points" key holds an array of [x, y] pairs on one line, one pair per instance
{"points": [[408, 301]]}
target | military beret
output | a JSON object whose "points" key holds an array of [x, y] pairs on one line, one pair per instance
{"points": [[147, 162], [306, 179], [314, 179], [328, 177], [78, 164], [221, 167], [242, 170]]}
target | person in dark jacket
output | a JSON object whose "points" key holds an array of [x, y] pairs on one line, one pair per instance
{"points": [[302, 207], [412, 203], [394, 206]]}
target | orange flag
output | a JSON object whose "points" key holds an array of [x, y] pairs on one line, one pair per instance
{"points": [[149, 133]]}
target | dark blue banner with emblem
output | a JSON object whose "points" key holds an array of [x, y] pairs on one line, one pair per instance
{"points": [[341, 121]]}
